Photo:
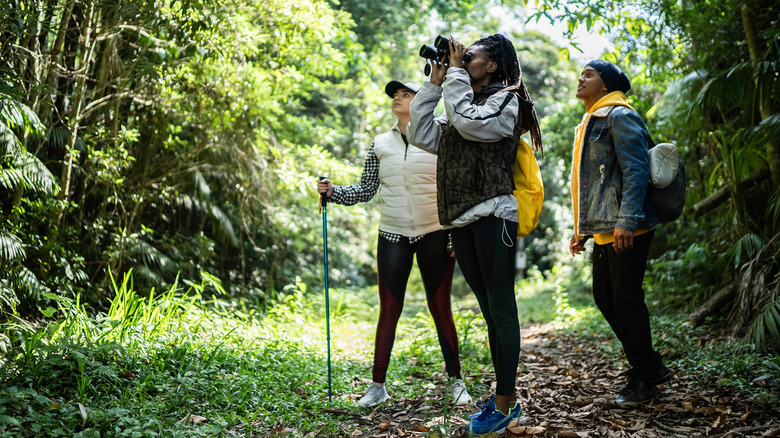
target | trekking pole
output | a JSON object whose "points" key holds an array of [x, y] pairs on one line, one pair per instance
{"points": [[323, 208]]}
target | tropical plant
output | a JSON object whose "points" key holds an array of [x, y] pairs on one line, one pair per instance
{"points": [[22, 177]]}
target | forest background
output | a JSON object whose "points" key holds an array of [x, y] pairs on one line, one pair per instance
{"points": [[180, 142]]}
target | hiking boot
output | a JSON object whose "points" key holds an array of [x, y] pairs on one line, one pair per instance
{"points": [[659, 376], [492, 420], [662, 375], [375, 394], [460, 396], [636, 391]]}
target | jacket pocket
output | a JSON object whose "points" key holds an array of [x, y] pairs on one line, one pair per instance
{"points": [[600, 145], [605, 206]]}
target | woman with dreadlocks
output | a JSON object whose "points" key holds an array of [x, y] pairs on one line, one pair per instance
{"points": [[487, 109]]}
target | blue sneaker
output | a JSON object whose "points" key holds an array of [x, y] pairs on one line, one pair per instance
{"points": [[492, 420], [489, 405]]}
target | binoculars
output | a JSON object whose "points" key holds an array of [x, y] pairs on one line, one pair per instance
{"points": [[435, 52]]}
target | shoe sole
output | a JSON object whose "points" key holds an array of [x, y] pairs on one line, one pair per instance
{"points": [[497, 431]]}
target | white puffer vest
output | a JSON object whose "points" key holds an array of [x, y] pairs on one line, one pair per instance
{"points": [[407, 195]]}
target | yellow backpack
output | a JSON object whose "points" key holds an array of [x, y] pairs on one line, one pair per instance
{"points": [[529, 189]]}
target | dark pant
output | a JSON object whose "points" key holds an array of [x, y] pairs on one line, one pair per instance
{"points": [[617, 290], [394, 264], [486, 254]]}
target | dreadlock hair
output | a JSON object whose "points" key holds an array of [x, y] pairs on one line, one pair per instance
{"points": [[501, 51]]}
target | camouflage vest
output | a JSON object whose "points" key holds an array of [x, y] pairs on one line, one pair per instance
{"points": [[470, 172]]}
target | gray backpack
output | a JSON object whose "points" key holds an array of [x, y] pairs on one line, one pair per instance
{"points": [[667, 181], [667, 178]]}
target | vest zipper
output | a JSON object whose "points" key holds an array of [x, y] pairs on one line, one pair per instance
{"points": [[408, 193]]}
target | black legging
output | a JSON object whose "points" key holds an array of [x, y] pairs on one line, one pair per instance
{"points": [[486, 254], [394, 263]]}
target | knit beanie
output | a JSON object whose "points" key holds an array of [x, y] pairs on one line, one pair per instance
{"points": [[613, 77]]}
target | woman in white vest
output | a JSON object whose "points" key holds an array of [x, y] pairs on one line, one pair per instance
{"points": [[409, 225]]}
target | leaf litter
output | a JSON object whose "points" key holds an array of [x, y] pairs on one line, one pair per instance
{"points": [[566, 387]]}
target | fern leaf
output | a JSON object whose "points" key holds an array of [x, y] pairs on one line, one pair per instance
{"points": [[9, 143], [11, 248]]}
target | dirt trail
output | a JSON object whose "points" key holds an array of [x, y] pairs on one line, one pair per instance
{"points": [[566, 388], [570, 386]]}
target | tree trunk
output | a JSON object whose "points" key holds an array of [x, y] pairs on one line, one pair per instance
{"points": [[716, 302], [85, 56], [54, 60], [755, 45], [107, 66], [48, 17]]}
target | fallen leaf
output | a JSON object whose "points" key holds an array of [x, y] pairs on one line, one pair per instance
{"points": [[383, 426], [723, 408], [718, 424], [618, 424], [527, 430], [279, 431], [420, 428], [193, 419]]}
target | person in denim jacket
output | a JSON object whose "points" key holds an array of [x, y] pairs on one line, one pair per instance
{"points": [[610, 174]]}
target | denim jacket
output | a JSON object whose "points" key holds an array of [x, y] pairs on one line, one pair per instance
{"points": [[614, 173]]}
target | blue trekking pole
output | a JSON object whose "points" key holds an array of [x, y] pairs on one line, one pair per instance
{"points": [[323, 208]]}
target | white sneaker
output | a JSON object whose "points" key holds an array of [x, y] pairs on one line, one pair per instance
{"points": [[460, 395], [375, 394]]}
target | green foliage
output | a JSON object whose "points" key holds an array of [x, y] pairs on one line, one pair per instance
{"points": [[757, 304], [169, 139], [734, 365], [153, 362], [165, 362], [686, 274], [24, 179], [192, 114]]}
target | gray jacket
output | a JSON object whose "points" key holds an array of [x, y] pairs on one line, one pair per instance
{"points": [[490, 122]]}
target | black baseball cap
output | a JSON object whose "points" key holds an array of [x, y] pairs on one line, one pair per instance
{"points": [[394, 86]]}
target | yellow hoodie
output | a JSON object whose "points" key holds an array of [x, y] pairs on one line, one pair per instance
{"points": [[614, 98]]}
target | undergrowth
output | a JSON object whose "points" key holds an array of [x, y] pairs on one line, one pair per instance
{"points": [[180, 364]]}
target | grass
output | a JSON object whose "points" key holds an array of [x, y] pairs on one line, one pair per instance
{"points": [[179, 364]]}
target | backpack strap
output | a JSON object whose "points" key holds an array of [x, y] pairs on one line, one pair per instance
{"points": [[650, 144], [609, 119]]}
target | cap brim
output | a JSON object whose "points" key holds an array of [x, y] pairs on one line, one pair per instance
{"points": [[394, 86]]}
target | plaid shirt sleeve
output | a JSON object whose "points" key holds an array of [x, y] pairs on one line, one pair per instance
{"points": [[365, 189]]}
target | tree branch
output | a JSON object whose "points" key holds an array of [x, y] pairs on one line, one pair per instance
{"points": [[714, 200], [713, 304]]}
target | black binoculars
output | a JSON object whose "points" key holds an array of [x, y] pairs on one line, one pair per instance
{"points": [[435, 52]]}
